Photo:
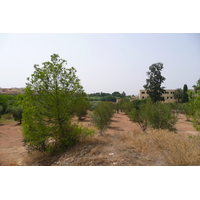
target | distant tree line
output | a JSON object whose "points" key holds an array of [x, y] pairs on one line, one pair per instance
{"points": [[101, 96]]}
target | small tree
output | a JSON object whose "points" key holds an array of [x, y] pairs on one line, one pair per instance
{"points": [[194, 106], [139, 116], [82, 108], [17, 113], [51, 98], [185, 94], [160, 116], [178, 94], [102, 114], [197, 86], [153, 83]]}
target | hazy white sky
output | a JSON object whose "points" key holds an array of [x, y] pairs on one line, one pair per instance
{"points": [[104, 62]]}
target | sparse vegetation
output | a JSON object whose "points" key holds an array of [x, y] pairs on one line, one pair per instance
{"points": [[101, 116], [156, 115], [54, 99]]}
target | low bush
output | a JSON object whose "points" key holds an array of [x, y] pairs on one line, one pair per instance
{"points": [[101, 116], [156, 115]]}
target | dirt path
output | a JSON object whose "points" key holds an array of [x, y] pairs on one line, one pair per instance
{"points": [[11, 146], [12, 150]]}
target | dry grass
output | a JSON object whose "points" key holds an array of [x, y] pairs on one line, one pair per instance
{"points": [[157, 148], [173, 149]]}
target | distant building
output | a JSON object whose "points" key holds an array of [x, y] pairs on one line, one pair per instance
{"points": [[168, 95], [11, 91]]}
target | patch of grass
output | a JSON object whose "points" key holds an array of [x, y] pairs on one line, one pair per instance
{"points": [[173, 149], [6, 119]]}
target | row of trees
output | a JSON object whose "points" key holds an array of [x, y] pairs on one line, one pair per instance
{"points": [[10, 104], [102, 94], [181, 94], [105, 96], [54, 95]]}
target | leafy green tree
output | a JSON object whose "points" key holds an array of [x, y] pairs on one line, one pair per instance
{"points": [[102, 114], [109, 98], [178, 94], [194, 106], [82, 107], [197, 86], [124, 105], [123, 94], [139, 116], [153, 83], [160, 116], [17, 113], [6, 101], [185, 94], [52, 95], [116, 94], [156, 115]]}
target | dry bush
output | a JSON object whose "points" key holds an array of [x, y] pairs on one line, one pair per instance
{"points": [[172, 148]]}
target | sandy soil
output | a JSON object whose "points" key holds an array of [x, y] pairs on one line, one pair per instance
{"points": [[12, 151]]}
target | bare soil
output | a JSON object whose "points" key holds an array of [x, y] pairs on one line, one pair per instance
{"points": [[106, 150]]}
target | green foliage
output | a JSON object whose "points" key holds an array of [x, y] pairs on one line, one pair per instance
{"points": [[194, 108], [93, 105], [102, 114], [109, 98], [52, 97], [1, 110], [124, 105], [185, 94], [156, 115], [6, 101], [139, 116], [197, 86], [81, 108], [178, 94], [153, 83], [160, 116], [17, 113]]}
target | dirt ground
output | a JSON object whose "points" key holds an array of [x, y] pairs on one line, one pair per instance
{"points": [[12, 151]]}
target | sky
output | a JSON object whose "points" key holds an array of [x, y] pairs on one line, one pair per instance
{"points": [[105, 62]]}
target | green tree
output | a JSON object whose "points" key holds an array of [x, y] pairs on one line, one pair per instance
{"points": [[123, 94], [194, 106], [108, 98], [17, 113], [156, 115], [153, 83], [116, 94], [51, 98], [139, 116], [101, 116], [185, 94], [82, 107], [197, 86], [178, 94]]}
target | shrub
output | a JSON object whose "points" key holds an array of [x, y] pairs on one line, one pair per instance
{"points": [[17, 114], [157, 115], [102, 114], [139, 116], [160, 116]]}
